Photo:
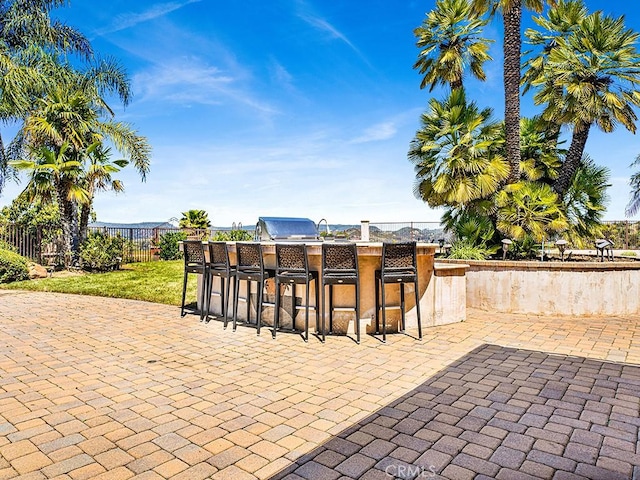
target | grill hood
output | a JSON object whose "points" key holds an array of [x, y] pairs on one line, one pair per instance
{"points": [[286, 228]]}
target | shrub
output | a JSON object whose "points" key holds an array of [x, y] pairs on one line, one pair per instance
{"points": [[168, 243], [4, 245], [13, 267], [100, 252], [232, 236], [464, 250]]}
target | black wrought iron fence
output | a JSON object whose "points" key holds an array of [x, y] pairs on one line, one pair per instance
{"points": [[26, 241], [142, 244]]}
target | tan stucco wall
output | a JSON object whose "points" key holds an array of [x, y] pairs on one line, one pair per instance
{"points": [[571, 288]]}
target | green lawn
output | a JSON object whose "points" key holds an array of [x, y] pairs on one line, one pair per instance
{"points": [[159, 282]]}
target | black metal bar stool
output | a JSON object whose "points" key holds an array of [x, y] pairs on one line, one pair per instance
{"points": [[219, 266], [340, 267], [292, 268], [250, 268], [194, 262], [399, 266]]}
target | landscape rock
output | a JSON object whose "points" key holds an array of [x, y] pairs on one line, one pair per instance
{"points": [[37, 271]]}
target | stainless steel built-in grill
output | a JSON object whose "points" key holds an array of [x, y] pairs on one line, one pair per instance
{"points": [[286, 229]]}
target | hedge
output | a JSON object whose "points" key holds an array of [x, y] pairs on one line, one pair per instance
{"points": [[13, 267]]}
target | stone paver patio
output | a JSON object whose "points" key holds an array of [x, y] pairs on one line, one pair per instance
{"points": [[116, 389]]}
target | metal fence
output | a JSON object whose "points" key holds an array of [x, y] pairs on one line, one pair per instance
{"points": [[26, 241], [142, 244], [624, 234], [408, 231]]}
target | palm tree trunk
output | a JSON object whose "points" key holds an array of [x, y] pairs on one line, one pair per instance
{"points": [[66, 217], [75, 235], [3, 164], [511, 49], [456, 84], [572, 159], [85, 211]]}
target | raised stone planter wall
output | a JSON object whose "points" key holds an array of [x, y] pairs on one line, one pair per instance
{"points": [[553, 288]]}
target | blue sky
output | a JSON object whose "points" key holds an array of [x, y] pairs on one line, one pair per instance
{"points": [[287, 107]]}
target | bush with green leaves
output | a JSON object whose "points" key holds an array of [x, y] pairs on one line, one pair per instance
{"points": [[465, 250], [4, 245], [232, 236], [13, 267], [101, 252], [169, 245]]}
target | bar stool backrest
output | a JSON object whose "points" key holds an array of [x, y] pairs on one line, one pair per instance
{"points": [[340, 258], [399, 256], [292, 259], [218, 255], [193, 253], [249, 256]]}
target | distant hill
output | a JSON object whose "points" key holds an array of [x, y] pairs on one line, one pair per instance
{"points": [[333, 228], [133, 225]]}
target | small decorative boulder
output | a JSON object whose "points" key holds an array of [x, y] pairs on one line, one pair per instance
{"points": [[37, 271]]}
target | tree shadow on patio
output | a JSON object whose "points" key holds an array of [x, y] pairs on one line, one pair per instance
{"points": [[495, 413]]}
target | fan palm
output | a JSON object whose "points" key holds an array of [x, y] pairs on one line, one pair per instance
{"points": [[560, 21], [512, 46], [590, 77], [529, 209], [634, 203], [198, 219], [455, 153], [539, 150], [450, 42], [585, 201]]}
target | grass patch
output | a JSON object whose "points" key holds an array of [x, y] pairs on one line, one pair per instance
{"points": [[158, 282]]}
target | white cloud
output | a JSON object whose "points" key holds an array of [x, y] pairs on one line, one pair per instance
{"points": [[377, 132], [122, 22], [323, 25], [189, 81]]}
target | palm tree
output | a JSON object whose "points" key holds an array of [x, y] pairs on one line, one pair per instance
{"points": [[196, 219], [634, 203], [75, 115], [27, 22], [590, 77], [529, 209], [98, 176], [26, 34], [54, 175], [585, 200], [512, 19], [450, 42], [455, 153], [561, 21], [539, 150]]}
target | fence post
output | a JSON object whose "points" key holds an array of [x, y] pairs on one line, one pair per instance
{"points": [[626, 234], [39, 243]]}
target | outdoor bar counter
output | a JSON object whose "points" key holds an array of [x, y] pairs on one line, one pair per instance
{"points": [[442, 291]]}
